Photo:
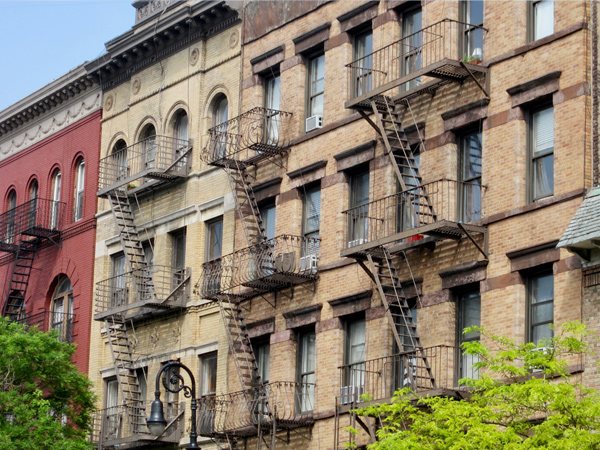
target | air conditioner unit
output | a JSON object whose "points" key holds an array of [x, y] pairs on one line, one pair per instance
{"points": [[351, 394], [356, 242], [309, 263], [545, 351], [314, 122]]}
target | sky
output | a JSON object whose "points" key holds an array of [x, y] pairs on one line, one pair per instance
{"points": [[43, 39]]}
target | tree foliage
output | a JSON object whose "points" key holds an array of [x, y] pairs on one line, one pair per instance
{"points": [[524, 399], [45, 403]]}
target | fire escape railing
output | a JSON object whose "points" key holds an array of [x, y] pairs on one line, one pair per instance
{"points": [[398, 214], [110, 426], [38, 217], [161, 157], [156, 286], [413, 56], [378, 379], [251, 137], [290, 404], [280, 261], [47, 320]]}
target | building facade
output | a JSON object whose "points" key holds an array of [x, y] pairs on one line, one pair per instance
{"points": [[403, 170], [161, 213], [49, 147]]}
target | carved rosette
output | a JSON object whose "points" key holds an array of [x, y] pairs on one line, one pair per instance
{"points": [[194, 56]]}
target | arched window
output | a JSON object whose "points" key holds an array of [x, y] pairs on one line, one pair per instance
{"points": [[221, 111], [181, 127], [149, 146], [10, 226], [119, 157], [33, 200], [55, 212], [220, 114], [79, 183], [62, 309]]}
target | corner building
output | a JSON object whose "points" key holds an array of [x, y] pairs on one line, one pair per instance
{"points": [[402, 170], [161, 213], [49, 147]]}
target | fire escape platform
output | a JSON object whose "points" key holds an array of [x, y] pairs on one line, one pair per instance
{"points": [[439, 230]]}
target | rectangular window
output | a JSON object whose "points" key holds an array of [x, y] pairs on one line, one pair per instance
{"points": [[214, 239], [363, 62], [541, 19], [272, 97], [119, 288], [316, 85], [359, 209], [142, 376], [178, 256], [306, 369], [409, 201], [268, 215], [540, 293], [541, 152], [78, 212], [469, 177], [468, 314], [208, 373], [311, 220], [262, 353], [112, 417], [354, 357], [472, 16], [148, 247], [412, 40]]}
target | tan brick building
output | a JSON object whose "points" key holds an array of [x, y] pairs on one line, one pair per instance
{"points": [[161, 213], [402, 170]]}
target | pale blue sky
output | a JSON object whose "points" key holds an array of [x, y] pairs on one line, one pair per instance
{"points": [[41, 40]]}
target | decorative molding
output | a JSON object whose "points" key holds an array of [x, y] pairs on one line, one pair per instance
{"points": [[51, 124]]}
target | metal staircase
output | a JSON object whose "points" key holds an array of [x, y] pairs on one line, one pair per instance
{"points": [[14, 306], [127, 377]]}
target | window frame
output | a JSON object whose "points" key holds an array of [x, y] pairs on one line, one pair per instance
{"points": [[349, 378], [79, 190], [408, 55], [310, 94], [268, 206], [361, 50], [530, 278], [461, 302], [307, 215], [532, 196], [64, 324], [11, 204], [205, 368], [56, 186], [532, 20], [465, 17], [359, 226], [211, 232], [178, 255], [306, 389], [466, 181]]}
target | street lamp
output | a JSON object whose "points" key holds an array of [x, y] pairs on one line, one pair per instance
{"points": [[172, 382]]}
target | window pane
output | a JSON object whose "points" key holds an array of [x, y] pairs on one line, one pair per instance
{"points": [[312, 210], [543, 312], [543, 131], [215, 240], [470, 315], [543, 18], [356, 340], [317, 85], [542, 289], [267, 214], [541, 332], [471, 157]]}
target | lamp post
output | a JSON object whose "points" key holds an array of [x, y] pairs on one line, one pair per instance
{"points": [[173, 382]]}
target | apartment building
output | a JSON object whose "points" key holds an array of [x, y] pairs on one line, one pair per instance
{"points": [[49, 147], [161, 213], [402, 170]]}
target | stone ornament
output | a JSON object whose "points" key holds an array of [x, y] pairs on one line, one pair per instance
{"points": [[154, 338], [151, 7], [136, 85], [194, 56], [108, 103], [233, 39]]}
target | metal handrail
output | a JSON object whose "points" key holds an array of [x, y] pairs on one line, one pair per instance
{"points": [[47, 320], [35, 217]]}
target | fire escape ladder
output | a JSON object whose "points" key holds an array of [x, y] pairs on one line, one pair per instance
{"points": [[419, 372], [131, 244], [403, 161], [127, 377], [246, 205], [14, 307]]}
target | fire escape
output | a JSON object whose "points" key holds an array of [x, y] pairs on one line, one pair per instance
{"points": [[23, 230], [380, 232], [144, 290], [260, 410]]}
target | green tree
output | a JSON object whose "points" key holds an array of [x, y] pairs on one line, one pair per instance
{"points": [[524, 400], [45, 403]]}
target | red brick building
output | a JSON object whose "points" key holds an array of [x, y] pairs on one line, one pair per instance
{"points": [[49, 147]]}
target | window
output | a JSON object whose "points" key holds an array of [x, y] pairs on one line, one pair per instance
{"points": [[79, 184], [10, 207], [112, 422], [541, 145], [311, 218], [412, 39], [118, 286], [148, 248], [472, 16], [540, 296], [62, 309], [149, 146], [306, 369], [214, 239], [180, 133], [363, 62], [541, 19], [468, 314], [55, 212], [469, 177], [268, 215], [219, 120], [208, 373], [178, 256], [142, 376], [221, 111], [33, 200], [272, 95], [359, 209], [262, 353], [119, 160], [354, 357], [316, 85], [410, 200]]}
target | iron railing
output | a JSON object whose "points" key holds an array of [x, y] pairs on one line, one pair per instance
{"points": [[450, 200], [111, 426], [411, 56], [38, 217], [378, 379], [152, 284], [279, 261], [163, 156], [240, 413], [51, 320], [248, 138]]}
